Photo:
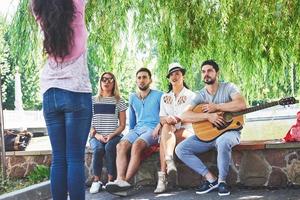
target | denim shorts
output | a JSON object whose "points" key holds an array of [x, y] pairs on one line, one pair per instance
{"points": [[144, 133]]}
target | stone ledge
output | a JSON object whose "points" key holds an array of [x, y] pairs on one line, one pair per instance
{"points": [[271, 163], [28, 153], [38, 191], [266, 144], [244, 145]]}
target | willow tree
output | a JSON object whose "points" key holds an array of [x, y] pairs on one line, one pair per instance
{"points": [[256, 43]]}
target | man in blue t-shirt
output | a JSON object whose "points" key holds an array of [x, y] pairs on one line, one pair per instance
{"points": [[216, 97], [144, 108]]}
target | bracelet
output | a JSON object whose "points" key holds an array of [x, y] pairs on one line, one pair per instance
{"points": [[161, 124]]}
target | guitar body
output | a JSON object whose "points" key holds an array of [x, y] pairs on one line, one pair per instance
{"points": [[207, 132]]}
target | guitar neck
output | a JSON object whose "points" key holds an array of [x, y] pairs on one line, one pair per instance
{"points": [[256, 108]]}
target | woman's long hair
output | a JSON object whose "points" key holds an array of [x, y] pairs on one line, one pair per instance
{"points": [[115, 90], [55, 17]]}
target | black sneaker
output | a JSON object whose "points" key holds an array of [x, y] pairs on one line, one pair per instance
{"points": [[207, 187], [223, 189]]}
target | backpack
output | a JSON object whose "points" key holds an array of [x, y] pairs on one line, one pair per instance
{"points": [[16, 140]]}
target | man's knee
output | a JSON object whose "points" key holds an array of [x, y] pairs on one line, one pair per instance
{"points": [[224, 145], [179, 151], [123, 146], [138, 146]]}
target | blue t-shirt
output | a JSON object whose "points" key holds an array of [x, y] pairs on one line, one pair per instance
{"points": [[144, 112]]}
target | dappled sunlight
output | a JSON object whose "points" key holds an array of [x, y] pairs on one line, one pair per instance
{"points": [[251, 197], [165, 195]]}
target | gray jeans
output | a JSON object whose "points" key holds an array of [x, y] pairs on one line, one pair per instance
{"points": [[188, 149]]}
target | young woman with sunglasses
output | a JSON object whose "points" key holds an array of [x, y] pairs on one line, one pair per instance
{"points": [[108, 122]]}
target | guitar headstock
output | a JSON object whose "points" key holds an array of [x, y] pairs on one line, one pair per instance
{"points": [[287, 101]]}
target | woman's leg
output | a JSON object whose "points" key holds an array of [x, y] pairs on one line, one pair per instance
{"points": [[97, 159], [168, 142], [110, 156], [55, 122], [78, 114], [163, 165], [167, 136]]}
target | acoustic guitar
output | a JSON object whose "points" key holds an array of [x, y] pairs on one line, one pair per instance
{"points": [[207, 132]]}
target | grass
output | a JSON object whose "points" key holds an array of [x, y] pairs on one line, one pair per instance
{"points": [[39, 174]]}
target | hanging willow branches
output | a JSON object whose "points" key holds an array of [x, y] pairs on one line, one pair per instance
{"points": [[256, 43]]}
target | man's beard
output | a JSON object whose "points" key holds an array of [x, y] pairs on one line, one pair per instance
{"points": [[144, 88], [209, 81]]}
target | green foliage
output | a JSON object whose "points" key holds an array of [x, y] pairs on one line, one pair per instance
{"points": [[7, 77], [12, 184], [256, 43], [21, 50], [39, 174]]}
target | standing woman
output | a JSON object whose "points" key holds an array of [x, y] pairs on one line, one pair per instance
{"points": [[172, 105], [66, 88], [108, 122]]}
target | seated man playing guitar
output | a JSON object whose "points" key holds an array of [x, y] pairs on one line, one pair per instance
{"points": [[216, 97]]}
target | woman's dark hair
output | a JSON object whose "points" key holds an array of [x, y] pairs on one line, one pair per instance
{"points": [[55, 17], [170, 87]]}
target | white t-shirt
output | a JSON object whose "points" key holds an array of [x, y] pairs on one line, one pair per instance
{"points": [[171, 105]]}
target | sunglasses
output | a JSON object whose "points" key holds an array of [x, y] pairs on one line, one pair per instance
{"points": [[107, 80]]}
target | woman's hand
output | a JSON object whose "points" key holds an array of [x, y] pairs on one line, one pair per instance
{"points": [[171, 120], [100, 137], [108, 137]]}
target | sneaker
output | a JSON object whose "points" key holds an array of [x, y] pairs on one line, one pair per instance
{"points": [[104, 186], [207, 187], [96, 187], [117, 186], [223, 189], [130, 191]]}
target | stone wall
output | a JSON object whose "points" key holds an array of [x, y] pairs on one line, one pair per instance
{"points": [[254, 164], [21, 163]]}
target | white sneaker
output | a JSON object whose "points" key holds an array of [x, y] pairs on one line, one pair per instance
{"points": [[96, 186], [117, 186]]}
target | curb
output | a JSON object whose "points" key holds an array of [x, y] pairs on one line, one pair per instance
{"points": [[40, 191]]}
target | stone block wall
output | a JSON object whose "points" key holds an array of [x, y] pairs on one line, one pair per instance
{"points": [[271, 165], [21, 163]]}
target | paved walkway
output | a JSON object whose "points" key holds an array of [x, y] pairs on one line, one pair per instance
{"points": [[236, 193]]}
